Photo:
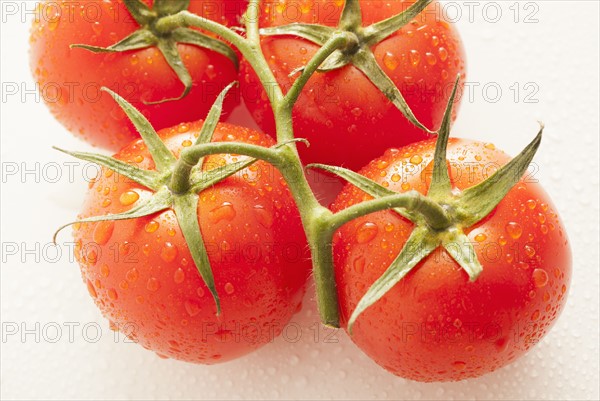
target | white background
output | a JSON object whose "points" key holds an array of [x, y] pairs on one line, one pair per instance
{"points": [[558, 53]]}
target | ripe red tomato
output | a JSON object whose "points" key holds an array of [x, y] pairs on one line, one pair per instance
{"points": [[435, 325], [341, 111], [70, 79], [142, 276]]}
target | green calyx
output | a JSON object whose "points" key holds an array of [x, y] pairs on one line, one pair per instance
{"points": [[357, 50], [165, 38], [440, 217], [181, 197]]}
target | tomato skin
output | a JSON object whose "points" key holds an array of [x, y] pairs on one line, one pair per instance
{"points": [[435, 325], [70, 79], [142, 276], [343, 107]]}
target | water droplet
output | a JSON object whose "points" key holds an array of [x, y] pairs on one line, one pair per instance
{"points": [[431, 59], [502, 344], [389, 227], [405, 186], [457, 323], [123, 285], [128, 198], [149, 60], [443, 53], [179, 275], [480, 237], [134, 59], [415, 57], [490, 146], [366, 233], [151, 226], [103, 232], [263, 217], [390, 61], [229, 289], [187, 143], [104, 270], [223, 212], [139, 299], [168, 252], [106, 202], [356, 112], [540, 278], [514, 230], [97, 28], [112, 294], [359, 264], [91, 289], [416, 159], [536, 315], [152, 284], [435, 40], [182, 128], [529, 251], [211, 73], [132, 275], [192, 308], [531, 204], [459, 365], [395, 177]]}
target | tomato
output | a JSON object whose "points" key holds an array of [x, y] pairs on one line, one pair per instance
{"points": [[347, 120], [143, 278], [70, 79], [436, 325]]}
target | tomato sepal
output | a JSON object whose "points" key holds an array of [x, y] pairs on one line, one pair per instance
{"points": [[159, 201], [147, 178], [165, 37], [420, 244]]}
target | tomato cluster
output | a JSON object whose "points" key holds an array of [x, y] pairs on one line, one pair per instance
{"points": [[204, 255]]}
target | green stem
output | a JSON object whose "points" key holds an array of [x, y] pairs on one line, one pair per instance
{"points": [[180, 179], [252, 22], [338, 40], [432, 212]]}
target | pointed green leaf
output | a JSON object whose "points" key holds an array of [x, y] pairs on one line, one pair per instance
{"points": [[474, 203], [185, 207], [377, 32], [169, 50], [420, 244], [212, 118], [365, 184], [140, 39], [441, 186], [159, 201], [139, 11], [147, 178], [213, 176], [162, 156], [365, 61], [318, 34], [170, 7], [192, 37], [351, 17], [461, 249], [336, 60]]}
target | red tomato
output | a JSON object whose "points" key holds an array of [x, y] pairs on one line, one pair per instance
{"points": [[70, 79], [142, 276], [347, 120], [435, 325]]}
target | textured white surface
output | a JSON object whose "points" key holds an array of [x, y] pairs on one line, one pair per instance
{"points": [[558, 53]]}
